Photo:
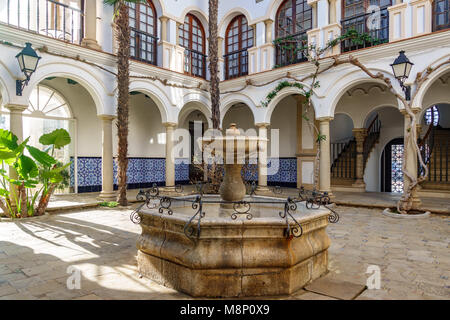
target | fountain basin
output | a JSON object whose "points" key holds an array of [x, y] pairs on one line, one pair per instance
{"points": [[233, 258]]}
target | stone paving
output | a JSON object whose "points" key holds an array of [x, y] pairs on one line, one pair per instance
{"points": [[35, 255], [359, 199]]}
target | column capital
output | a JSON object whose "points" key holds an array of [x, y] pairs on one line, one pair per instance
{"points": [[16, 108], [262, 125], [359, 133], [324, 119], [164, 18], [415, 110], [169, 124], [107, 117]]}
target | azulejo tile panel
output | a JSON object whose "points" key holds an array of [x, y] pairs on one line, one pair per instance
{"points": [[140, 171]]}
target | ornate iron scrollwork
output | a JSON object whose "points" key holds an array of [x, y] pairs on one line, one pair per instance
{"points": [[313, 200], [189, 230], [289, 207], [241, 208]]}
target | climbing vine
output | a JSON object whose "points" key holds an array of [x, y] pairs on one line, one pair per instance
{"points": [[313, 54]]}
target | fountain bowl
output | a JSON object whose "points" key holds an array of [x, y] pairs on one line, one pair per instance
{"points": [[247, 255]]}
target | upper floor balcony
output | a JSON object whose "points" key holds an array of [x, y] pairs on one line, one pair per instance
{"points": [[61, 20], [245, 46]]}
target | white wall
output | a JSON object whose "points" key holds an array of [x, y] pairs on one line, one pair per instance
{"points": [[284, 118], [147, 134], [341, 128]]}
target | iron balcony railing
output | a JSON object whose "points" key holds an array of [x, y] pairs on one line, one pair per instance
{"points": [[290, 49], [143, 46], [435, 151], [236, 64], [47, 17], [195, 63], [361, 23]]}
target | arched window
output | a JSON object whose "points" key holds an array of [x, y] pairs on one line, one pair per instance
{"points": [[143, 31], [294, 18], [432, 116], [441, 14], [192, 37], [357, 15], [46, 102], [238, 38]]}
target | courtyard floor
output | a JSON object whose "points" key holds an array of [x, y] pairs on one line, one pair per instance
{"points": [[35, 254]]}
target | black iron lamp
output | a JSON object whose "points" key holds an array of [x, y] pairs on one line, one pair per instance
{"points": [[28, 61], [402, 67]]}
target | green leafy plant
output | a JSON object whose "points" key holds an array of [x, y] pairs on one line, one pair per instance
{"points": [[109, 204], [26, 191]]}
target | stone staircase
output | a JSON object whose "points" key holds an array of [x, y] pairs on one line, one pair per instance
{"points": [[344, 155]]}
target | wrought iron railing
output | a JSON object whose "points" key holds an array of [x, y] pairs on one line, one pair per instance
{"points": [[435, 151], [313, 200], [290, 49], [373, 134], [343, 155], [236, 64], [195, 63], [47, 17], [361, 23], [143, 46]]}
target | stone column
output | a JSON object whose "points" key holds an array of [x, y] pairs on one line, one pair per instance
{"points": [[360, 135], [332, 11], [163, 27], [16, 127], [411, 159], [269, 36], [90, 25], [262, 157], [170, 159], [325, 167], [107, 193]]}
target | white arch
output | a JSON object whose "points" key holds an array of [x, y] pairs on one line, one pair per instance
{"points": [[418, 101], [230, 15], [195, 101], [159, 7], [288, 91], [231, 99], [78, 72], [366, 116], [196, 11], [272, 9], [341, 86], [158, 96], [346, 114]]}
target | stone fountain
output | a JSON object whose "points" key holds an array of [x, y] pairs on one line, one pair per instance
{"points": [[232, 244]]}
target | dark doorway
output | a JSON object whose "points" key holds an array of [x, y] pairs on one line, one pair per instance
{"points": [[391, 167], [195, 174]]}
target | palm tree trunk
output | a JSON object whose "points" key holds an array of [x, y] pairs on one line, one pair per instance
{"points": [[123, 80], [214, 63]]}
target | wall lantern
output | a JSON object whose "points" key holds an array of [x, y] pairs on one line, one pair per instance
{"points": [[28, 61], [402, 67]]}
